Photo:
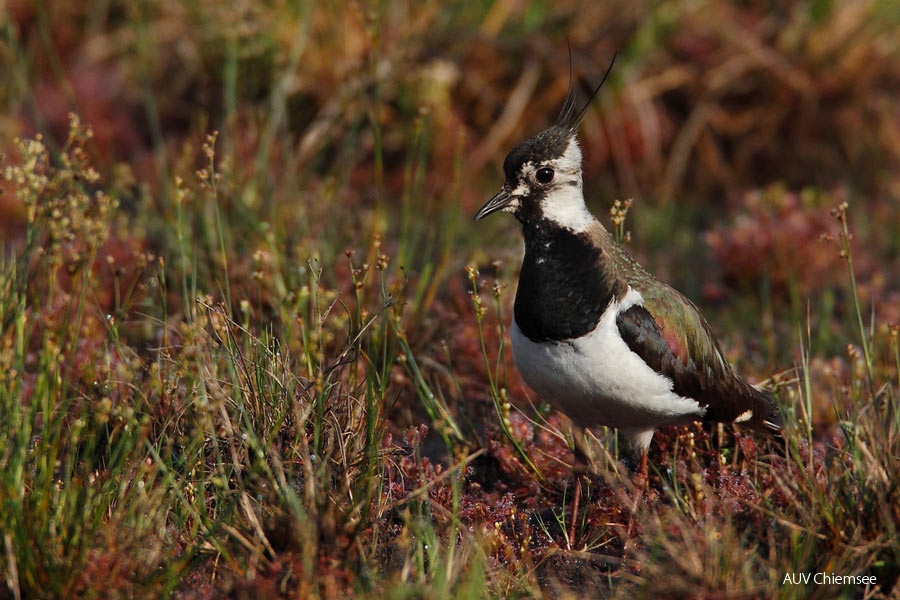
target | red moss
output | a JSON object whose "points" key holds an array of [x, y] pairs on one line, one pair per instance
{"points": [[778, 242]]}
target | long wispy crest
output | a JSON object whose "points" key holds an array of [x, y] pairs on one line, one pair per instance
{"points": [[568, 117]]}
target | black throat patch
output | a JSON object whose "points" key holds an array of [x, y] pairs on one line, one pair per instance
{"points": [[563, 287]]}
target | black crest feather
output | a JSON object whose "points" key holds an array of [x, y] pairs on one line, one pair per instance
{"points": [[568, 117]]}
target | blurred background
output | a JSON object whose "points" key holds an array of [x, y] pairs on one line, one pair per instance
{"points": [[734, 126], [273, 211]]}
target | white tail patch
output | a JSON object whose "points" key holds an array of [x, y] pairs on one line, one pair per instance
{"points": [[744, 416]]}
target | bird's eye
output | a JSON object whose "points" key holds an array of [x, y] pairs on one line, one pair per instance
{"points": [[544, 175]]}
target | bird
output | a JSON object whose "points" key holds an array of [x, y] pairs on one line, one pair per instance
{"points": [[593, 333]]}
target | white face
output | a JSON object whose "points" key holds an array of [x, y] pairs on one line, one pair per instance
{"points": [[563, 202]]}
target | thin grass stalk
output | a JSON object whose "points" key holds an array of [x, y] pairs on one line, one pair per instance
{"points": [[865, 337], [498, 395]]}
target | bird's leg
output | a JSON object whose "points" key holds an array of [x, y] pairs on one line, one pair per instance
{"points": [[640, 479], [580, 469], [640, 483], [576, 501]]}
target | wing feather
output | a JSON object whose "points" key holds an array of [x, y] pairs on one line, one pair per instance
{"points": [[671, 336]]}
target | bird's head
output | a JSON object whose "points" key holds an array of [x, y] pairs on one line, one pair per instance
{"points": [[543, 181]]}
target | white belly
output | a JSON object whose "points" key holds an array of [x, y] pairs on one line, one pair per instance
{"points": [[598, 380]]}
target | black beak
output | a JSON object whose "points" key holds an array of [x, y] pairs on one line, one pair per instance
{"points": [[500, 200]]}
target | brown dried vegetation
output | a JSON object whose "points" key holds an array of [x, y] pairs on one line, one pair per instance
{"points": [[250, 345]]}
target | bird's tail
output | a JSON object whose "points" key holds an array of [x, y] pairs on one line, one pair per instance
{"points": [[767, 418], [771, 420]]}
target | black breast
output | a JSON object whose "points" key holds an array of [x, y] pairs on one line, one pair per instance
{"points": [[563, 289]]}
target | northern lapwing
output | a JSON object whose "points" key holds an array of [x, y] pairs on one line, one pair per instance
{"points": [[593, 333]]}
